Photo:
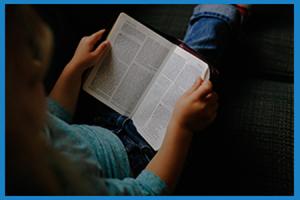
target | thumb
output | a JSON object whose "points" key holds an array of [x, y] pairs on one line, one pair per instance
{"points": [[203, 90], [196, 84]]}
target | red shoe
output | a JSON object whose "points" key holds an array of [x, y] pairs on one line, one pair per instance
{"points": [[245, 11]]}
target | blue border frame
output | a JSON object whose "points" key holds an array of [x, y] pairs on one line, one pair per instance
{"points": [[296, 99], [148, 1], [2, 100], [296, 89]]}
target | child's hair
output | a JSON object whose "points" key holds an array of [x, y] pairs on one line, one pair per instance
{"points": [[24, 170], [32, 168]]}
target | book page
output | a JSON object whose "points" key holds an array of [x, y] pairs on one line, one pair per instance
{"points": [[129, 67], [154, 112]]}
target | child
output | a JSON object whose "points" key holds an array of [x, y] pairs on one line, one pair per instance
{"points": [[46, 154]]}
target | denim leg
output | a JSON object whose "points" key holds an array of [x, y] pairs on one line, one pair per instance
{"points": [[107, 118], [211, 28], [138, 150]]}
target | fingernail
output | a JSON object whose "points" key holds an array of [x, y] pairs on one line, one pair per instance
{"points": [[107, 42], [199, 79]]}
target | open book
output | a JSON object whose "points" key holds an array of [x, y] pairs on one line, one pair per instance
{"points": [[143, 75]]}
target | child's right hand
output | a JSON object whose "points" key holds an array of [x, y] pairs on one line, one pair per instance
{"points": [[194, 111], [196, 108]]}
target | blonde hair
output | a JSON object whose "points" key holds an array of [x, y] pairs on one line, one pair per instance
{"points": [[32, 168]]}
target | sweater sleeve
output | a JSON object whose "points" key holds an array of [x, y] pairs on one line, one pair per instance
{"points": [[147, 183], [57, 110]]}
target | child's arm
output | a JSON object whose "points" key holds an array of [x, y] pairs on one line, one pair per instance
{"points": [[66, 89], [194, 111]]}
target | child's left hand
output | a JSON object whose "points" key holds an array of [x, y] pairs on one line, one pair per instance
{"points": [[86, 55], [67, 87]]}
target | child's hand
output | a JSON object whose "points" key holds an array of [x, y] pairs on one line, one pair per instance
{"points": [[197, 108], [86, 55]]}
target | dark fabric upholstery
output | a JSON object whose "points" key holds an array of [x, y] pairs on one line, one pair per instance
{"points": [[269, 42], [255, 128]]}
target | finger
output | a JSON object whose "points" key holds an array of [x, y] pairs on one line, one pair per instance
{"points": [[101, 48], [203, 90], [213, 107], [214, 116], [212, 97], [96, 36], [196, 84]]}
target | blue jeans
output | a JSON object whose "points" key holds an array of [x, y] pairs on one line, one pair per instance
{"points": [[210, 30], [138, 150]]}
